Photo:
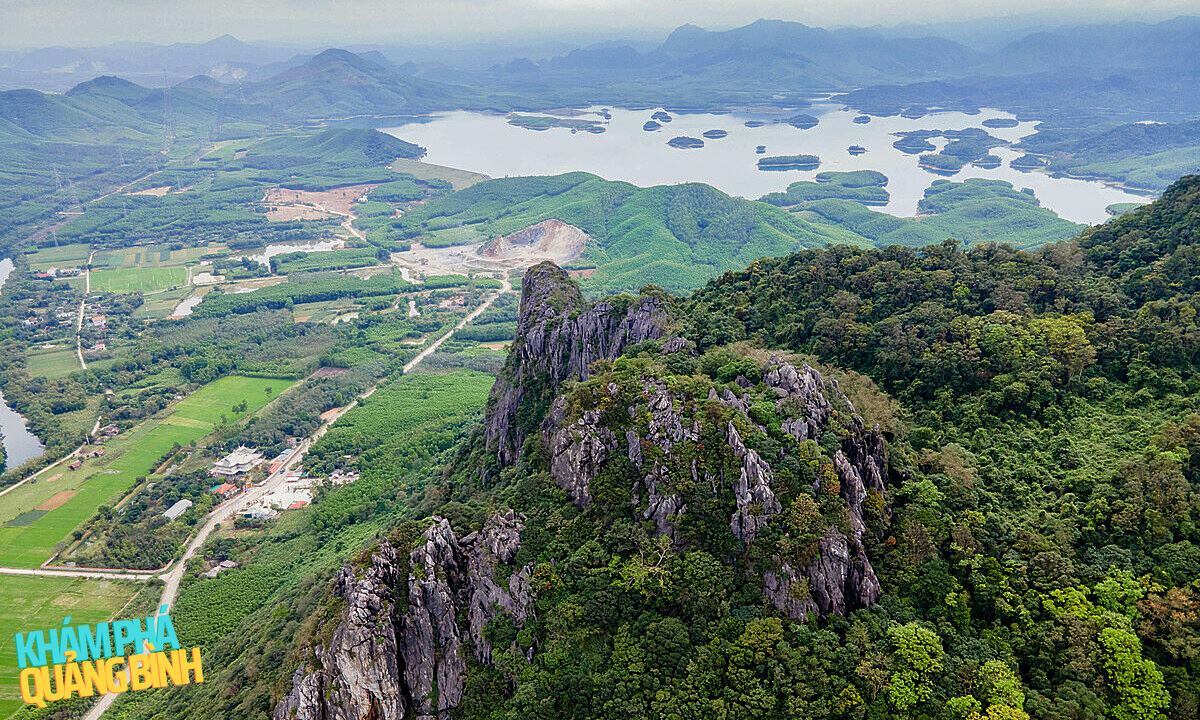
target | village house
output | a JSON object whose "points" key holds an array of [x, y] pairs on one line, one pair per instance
{"points": [[216, 569], [259, 513], [278, 462], [226, 490]]}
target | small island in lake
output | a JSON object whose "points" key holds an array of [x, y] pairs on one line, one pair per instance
{"points": [[1000, 123], [866, 187], [987, 162], [789, 162], [802, 121], [914, 143], [715, 134], [755, 123], [1027, 162], [683, 142], [862, 119], [940, 164], [545, 122], [856, 149], [651, 126], [760, 149], [661, 116], [914, 113]]}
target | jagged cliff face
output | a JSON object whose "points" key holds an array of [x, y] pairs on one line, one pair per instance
{"points": [[696, 445], [559, 336], [762, 462], [382, 663]]}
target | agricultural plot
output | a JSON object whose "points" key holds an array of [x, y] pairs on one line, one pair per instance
{"points": [[144, 280], [55, 363], [162, 304], [72, 255], [33, 603], [37, 516], [152, 256]]}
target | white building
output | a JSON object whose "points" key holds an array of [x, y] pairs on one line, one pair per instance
{"points": [[177, 509], [238, 462], [259, 513]]}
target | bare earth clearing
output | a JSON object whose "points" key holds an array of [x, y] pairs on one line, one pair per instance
{"points": [[285, 204], [154, 191], [548, 240]]}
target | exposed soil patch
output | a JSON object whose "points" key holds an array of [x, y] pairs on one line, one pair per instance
{"points": [[154, 191], [295, 212], [549, 240], [56, 500], [337, 201]]}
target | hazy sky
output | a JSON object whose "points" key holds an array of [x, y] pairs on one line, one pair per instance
{"points": [[33, 23]]}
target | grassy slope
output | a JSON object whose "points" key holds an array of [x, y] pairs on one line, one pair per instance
{"points": [[675, 236]]}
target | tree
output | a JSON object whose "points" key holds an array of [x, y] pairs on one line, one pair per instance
{"points": [[916, 660], [1135, 684]]}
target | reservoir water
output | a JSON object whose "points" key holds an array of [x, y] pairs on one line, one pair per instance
{"points": [[20, 445], [488, 144]]}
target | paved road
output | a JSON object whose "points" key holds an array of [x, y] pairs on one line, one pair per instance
{"points": [[225, 510], [135, 575], [87, 288]]}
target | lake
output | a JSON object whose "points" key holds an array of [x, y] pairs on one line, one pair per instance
{"points": [[488, 144], [20, 445]]}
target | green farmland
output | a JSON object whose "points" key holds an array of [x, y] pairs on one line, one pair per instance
{"points": [[145, 280], [72, 255], [34, 603], [39, 515]]}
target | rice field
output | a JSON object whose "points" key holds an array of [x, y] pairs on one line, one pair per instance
{"points": [[35, 603], [143, 280], [27, 539]]}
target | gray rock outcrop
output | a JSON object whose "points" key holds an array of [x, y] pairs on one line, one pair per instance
{"points": [[381, 664], [559, 336]]}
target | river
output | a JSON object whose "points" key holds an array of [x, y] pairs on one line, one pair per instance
{"points": [[487, 143], [20, 445]]}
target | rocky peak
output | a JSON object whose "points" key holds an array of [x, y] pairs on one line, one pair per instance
{"points": [[559, 336]]}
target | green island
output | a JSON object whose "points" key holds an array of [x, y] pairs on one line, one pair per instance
{"points": [[789, 162], [867, 187]]}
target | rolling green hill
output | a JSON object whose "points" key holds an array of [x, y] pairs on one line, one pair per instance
{"points": [[675, 236]]}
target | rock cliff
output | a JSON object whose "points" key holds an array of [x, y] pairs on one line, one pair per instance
{"points": [[382, 663], [682, 449], [559, 335]]}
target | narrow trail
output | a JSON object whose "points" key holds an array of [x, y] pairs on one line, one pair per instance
{"points": [[174, 577]]}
